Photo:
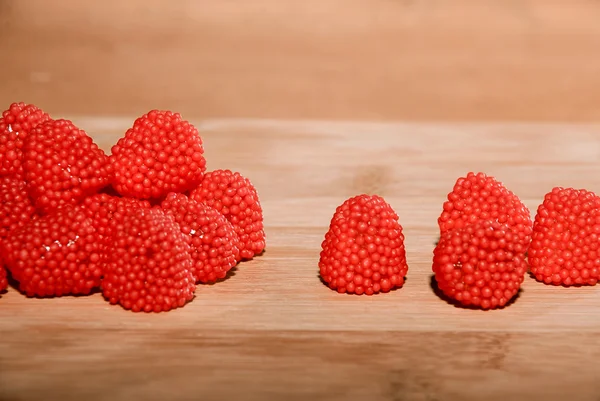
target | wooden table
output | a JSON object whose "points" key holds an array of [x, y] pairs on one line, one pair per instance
{"points": [[274, 331]]}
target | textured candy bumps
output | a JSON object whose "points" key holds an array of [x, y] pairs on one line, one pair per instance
{"points": [[62, 165], [566, 238], [15, 207], [149, 264], [478, 197], [3, 278], [160, 153], [15, 125], [107, 213], [482, 264], [214, 243], [363, 251], [54, 255], [236, 198]]}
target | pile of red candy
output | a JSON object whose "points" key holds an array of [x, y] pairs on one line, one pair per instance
{"points": [[487, 244], [144, 224], [147, 223]]}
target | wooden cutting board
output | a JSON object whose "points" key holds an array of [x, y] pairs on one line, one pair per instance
{"points": [[274, 331]]}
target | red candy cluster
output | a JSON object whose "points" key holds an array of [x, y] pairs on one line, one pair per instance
{"points": [[147, 223], [74, 219], [487, 243], [485, 231], [363, 251]]}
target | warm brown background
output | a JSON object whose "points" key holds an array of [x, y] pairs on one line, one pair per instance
{"points": [[342, 59]]}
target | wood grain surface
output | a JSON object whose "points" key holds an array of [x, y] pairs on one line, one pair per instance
{"points": [[273, 331], [526, 60]]}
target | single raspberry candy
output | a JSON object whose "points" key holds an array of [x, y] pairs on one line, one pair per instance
{"points": [[62, 165], [566, 238], [15, 207], [149, 264], [236, 198], [214, 243], [15, 125], [363, 250], [55, 255], [482, 264], [161, 153], [478, 197]]}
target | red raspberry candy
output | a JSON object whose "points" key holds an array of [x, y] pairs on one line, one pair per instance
{"points": [[363, 251], [55, 255], [62, 165], [107, 212], [149, 264], [214, 243], [482, 264], [15, 207], [566, 238], [15, 125], [161, 153], [3, 278], [236, 198], [478, 197]]}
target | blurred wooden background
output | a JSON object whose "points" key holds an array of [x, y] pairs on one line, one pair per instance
{"points": [[332, 59]]}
